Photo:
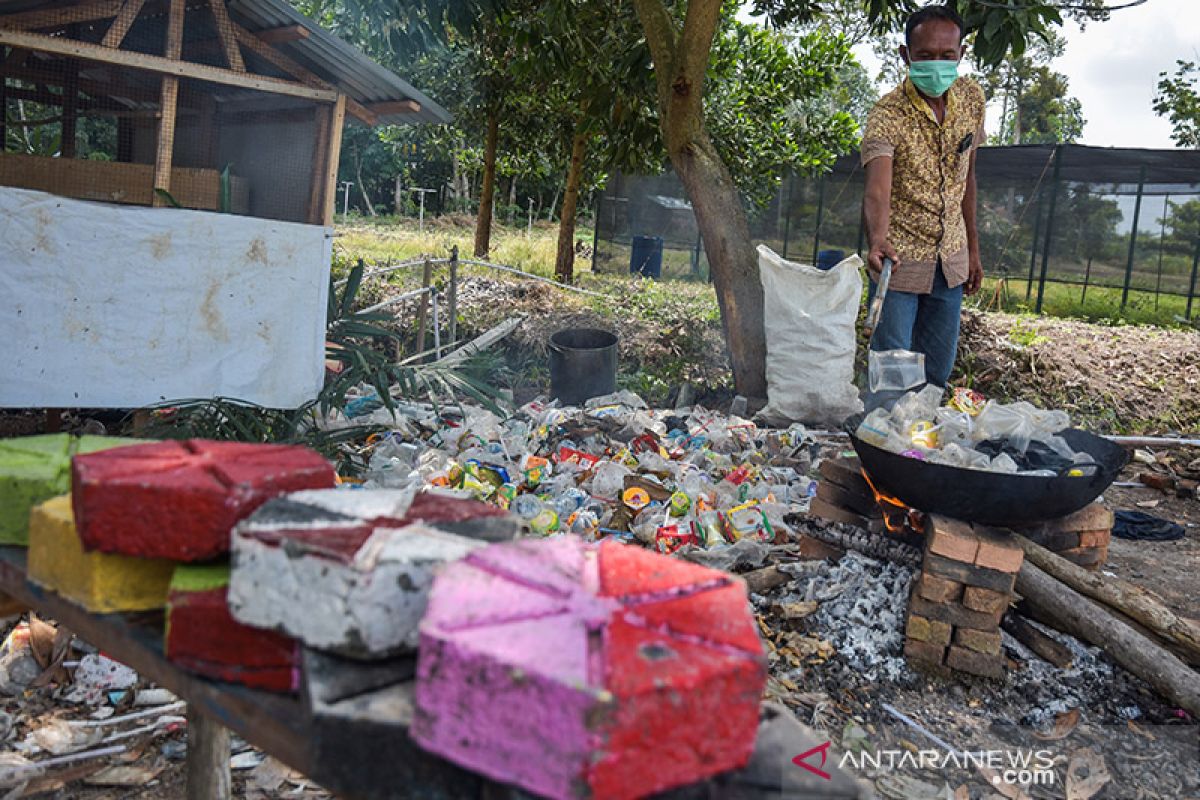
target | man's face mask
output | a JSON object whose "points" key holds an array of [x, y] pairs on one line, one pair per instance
{"points": [[933, 78]]}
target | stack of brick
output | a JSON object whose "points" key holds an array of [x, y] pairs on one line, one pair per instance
{"points": [[1082, 537], [964, 587], [844, 496]]}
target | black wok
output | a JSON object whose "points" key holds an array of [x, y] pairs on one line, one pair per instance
{"points": [[992, 498]]}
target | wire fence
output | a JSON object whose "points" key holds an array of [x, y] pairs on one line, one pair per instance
{"points": [[1119, 223]]}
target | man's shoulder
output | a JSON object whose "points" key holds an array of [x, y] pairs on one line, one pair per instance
{"points": [[892, 102], [968, 91]]}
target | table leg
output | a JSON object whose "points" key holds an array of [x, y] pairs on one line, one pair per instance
{"points": [[207, 758]]}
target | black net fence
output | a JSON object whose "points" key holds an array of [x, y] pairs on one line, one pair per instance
{"points": [[1116, 224]]}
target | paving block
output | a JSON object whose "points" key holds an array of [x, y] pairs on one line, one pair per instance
{"points": [[955, 614], [938, 589], [101, 583], [180, 500], [923, 629], [202, 637], [951, 539], [998, 551], [981, 664], [987, 642], [340, 570], [969, 574], [37, 468], [588, 670], [977, 598]]}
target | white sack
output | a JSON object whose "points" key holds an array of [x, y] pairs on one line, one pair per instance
{"points": [[117, 306], [809, 319]]}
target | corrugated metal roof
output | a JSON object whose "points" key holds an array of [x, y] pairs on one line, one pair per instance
{"points": [[341, 64]]}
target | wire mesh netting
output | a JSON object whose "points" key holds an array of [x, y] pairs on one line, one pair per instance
{"points": [[1067, 218], [83, 127]]}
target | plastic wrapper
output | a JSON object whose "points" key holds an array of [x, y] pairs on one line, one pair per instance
{"points": [[894, 370]]}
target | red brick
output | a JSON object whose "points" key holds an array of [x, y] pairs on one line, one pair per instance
{"points": [[998, 551], [939, 590], [1052, 540], [1095, 538], [969, 574], [1086, 556], [923, 629], [985, 600], [819, 508], [851, 501], [964, 660], [985, 642], [955, 614], [1093, 517], [845, 473], [952, 539], [924, 652]]}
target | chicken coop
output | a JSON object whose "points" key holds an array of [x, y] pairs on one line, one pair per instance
{"points": [[167, 185]]}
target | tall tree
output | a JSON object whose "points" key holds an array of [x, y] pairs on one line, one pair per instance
{"points": [[1178, 99], [1035, 104]]}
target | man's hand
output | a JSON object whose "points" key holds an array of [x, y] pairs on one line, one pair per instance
{"points": [[974, 275], [876, 256]]}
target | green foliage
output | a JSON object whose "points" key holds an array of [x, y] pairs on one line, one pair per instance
{"points": [[1036, 106], [764, 106], [1178, 99], [1024, 333]]}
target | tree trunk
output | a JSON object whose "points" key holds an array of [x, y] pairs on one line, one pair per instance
{"points": [[487, 191], [553, 204], [512, 198], [1071, 613], [564, 261], [1134, 601], [361, 188], [681, 58]]}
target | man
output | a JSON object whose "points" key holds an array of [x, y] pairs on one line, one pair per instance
{"points": [[919, 205]]}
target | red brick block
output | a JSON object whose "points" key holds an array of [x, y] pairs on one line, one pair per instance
{"points": [[846, 473], [1095, 538], [955, 614], [923, 629], [981, 664], [998, 551], [937, 589], [986, 600], [863, 505], [924, 652], [985, 642], [819, 508], [180, 500], [1093, 517], [204, 638], [1089, 557], [952, 539], [1052, 541]]}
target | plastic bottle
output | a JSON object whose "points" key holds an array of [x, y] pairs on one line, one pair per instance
{"points": [[527, 506]]}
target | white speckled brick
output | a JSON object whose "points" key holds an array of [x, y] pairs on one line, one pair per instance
{"points": [[338, 570]]}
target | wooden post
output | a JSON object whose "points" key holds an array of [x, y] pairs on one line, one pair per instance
{"points": [[207, 758], [423, 313], [337, 118], [316, 198], [169, 105], [70, 110], [453, 298]]}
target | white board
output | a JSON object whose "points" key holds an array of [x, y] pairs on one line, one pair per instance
{"points": [[107, 306]]}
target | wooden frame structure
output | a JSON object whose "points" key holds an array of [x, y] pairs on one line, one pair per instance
{"points": [[55, 32]]}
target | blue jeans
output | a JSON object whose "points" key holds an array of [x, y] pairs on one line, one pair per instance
{"points": [[924, 323]]}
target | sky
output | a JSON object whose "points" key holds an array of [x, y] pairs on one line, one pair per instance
{"points": [[1112, 68]]}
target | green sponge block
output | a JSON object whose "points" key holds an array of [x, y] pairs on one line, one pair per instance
{"points": [[34, 469]]}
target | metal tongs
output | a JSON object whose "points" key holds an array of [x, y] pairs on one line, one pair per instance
{"points": [[876, 309]]}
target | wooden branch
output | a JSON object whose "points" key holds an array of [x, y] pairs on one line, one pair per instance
{"points": [[395, 107], [285, 33], [1041, 644], [260, 48], [208, 776], [164, 66], [1072, 613], [124, 21], [225, 32], [61, 17], [1138, 603]]}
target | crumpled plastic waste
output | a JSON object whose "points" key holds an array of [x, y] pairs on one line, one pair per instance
{"points": [[973, 432], [612, 468]]}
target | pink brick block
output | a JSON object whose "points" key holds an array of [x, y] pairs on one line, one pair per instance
{"points": [[579, 670]]}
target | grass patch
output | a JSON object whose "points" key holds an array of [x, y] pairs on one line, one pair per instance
{"points": [[1102, 305]]}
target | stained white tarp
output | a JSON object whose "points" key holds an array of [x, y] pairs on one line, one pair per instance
{"points": [[115, 306]]}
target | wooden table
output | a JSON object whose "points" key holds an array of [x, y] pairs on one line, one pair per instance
{"points": [[357, 748]]}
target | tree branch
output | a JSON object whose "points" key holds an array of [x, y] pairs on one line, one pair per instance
{"points": [[660, 32], [695, 43]]}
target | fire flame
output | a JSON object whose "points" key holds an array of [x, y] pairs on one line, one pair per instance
{"points": [[897, 516]]}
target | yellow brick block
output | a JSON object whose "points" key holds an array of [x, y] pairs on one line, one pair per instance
{"points": [[100, 582]]}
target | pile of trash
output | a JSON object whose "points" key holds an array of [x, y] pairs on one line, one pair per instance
{"points": [[976, 433], [614, 467]]}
